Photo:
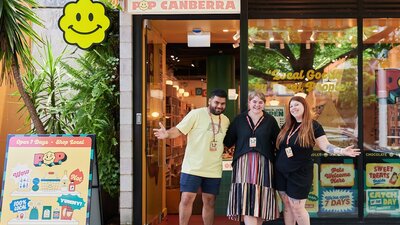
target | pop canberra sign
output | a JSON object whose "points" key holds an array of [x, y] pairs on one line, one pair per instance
{"points": [[182, 6]]}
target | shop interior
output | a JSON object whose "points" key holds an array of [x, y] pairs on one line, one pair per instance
{"points": [[184, 60], [317, 58]]}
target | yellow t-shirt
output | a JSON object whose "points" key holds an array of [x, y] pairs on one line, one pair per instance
{"points": [[199, 160]]}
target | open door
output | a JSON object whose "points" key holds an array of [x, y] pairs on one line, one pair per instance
{"points": [[154, 52]]}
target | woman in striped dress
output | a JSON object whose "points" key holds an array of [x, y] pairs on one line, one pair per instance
{"points": [[252, 196]]}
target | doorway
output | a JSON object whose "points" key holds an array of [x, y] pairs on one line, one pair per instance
{"points": [[182, 60]]}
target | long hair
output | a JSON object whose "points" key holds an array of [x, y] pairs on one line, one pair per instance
{"points": [[305, 137]]}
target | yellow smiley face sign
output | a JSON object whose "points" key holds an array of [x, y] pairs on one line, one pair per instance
{"points": [[84, 23]]}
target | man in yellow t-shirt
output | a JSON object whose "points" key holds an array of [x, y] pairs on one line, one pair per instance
{"points": [[202, 165]]}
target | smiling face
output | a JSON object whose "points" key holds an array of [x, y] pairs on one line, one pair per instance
{"points": [[256, 105], [84, 23], [217, 105], [297, 110], [49, 157], [143, 5]]}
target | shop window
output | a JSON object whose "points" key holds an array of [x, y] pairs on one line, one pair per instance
{"points": [[317, 59], [381, 82]]}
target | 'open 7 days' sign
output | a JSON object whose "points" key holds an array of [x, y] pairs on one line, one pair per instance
{"points": [[47, 180]]}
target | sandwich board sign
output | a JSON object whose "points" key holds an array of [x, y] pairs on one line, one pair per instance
{"points": [[48, 180]]}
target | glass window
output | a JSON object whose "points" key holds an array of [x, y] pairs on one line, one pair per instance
{"points": [[317, 59], [381, 82]]}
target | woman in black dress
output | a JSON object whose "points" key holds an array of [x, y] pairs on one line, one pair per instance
{"points": [[294, 164], [252, 194]]}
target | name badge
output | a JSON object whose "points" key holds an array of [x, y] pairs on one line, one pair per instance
{"points": [[253, 142], [289, 152], [213, 146]]}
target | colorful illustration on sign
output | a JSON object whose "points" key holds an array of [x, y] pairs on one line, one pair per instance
{"points": [[49, 158], [47, 180], [337, 175], [312, 200], [84, 23], [382, 175], [143, 5], [337, 201], [182, 7], [383, 201]]}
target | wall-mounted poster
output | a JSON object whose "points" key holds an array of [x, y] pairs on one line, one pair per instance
{"points": [[337, 200], [383, 201], [337, 175], [47, 180], [382, 175], [278, 112]]}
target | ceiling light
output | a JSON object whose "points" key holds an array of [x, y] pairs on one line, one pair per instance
{"points": [[198, 38], [225, 30], [155, 114], [301, 94], [274, 102], [185, 94], [169, 82], [300, 30]]}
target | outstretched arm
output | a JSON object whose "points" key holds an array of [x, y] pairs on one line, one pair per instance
{"points": [[162, 133], [323, 143]]}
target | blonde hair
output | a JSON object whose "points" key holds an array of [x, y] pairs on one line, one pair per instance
{"points": [[253, 94], [306, 133]]}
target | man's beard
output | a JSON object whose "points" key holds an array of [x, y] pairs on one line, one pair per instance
{"points": [[215, 112]]}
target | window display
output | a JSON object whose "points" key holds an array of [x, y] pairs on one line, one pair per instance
{"points": [[315, 59], [381, 91]]}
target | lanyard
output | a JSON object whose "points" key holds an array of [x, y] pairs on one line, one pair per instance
{"points": [[291, 133], [212, 125], [257, 124]]}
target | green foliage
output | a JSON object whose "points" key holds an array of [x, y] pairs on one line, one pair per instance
{"points": [[16, 19], [80, 99], [83, 98], [263, 58], [15, 27], [45, 87], [94, 106]]}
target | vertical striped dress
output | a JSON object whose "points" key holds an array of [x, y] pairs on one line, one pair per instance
{"points": [[252, 193]]}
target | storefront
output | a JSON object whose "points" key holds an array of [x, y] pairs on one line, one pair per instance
{"points": [[342, 56]]}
